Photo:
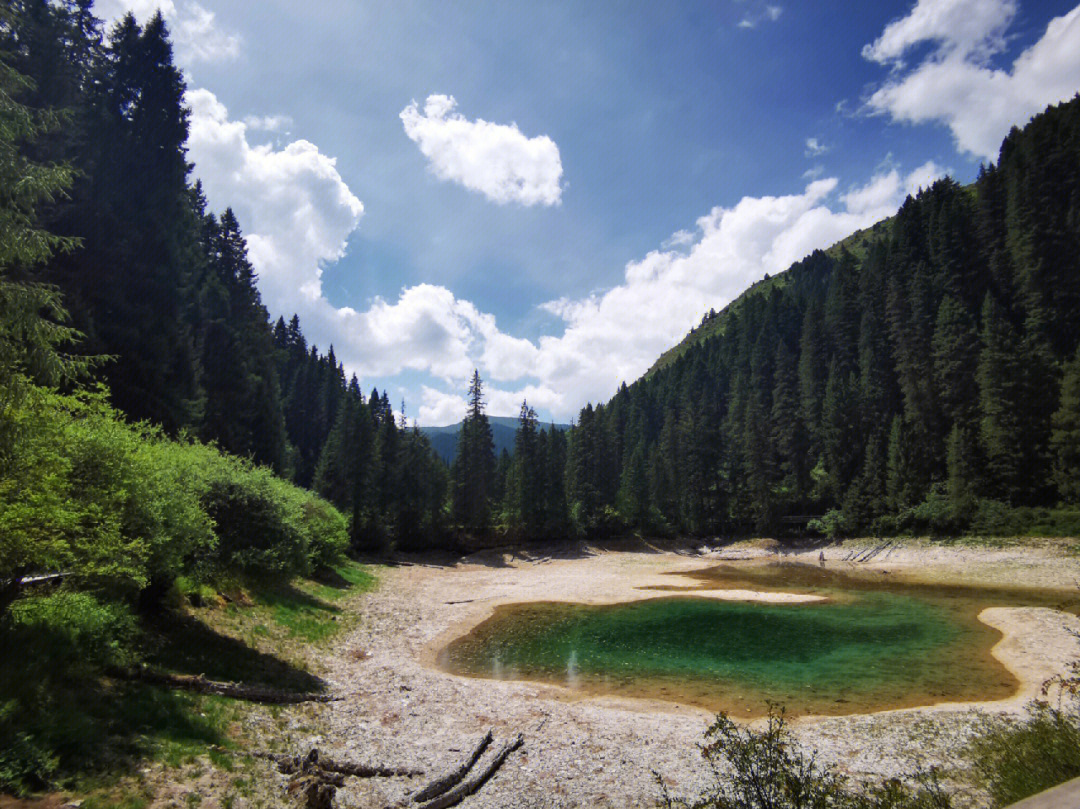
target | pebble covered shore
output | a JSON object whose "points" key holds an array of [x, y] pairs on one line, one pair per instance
{"points": [[400, 709]]}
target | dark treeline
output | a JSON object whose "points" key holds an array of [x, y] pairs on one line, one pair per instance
{"points": [[164, 287], [926, 379]]}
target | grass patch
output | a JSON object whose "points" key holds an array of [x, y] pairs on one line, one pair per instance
{"points": [[78, 734], [306, 609], [301, 614], [113, 799], [206, 643], [349, 578]]}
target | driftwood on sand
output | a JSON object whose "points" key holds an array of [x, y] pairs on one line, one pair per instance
{"points": [[201, 685], [314, 778], [452, 778], [454, 796], [290, 765]]}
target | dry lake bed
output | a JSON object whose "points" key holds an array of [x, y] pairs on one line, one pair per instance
{"points": [[591, 746]]}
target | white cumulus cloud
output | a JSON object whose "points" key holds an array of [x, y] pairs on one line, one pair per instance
{"points": [[195, 32], [956, 85], [967, 28], [298, 213], [759, 13], [497, 160], [268, 123], [296, 209], [615, 336]]}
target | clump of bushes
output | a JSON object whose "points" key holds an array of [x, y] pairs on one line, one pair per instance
{"points": [[120, 507], [127, 515], [1019, 758], [49, 646], [764, 769]]}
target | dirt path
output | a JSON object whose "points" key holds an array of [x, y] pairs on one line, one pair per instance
{"points": [[602, 751]]}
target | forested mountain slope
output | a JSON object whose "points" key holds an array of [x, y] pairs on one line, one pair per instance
{"points": [[714, 322], [928, 380]]}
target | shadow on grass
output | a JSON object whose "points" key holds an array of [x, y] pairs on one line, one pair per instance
{"points": [[283, 595], [61, 725], [181, 643]]}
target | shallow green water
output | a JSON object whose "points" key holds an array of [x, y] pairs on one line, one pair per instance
{"points": [[874, 645]]}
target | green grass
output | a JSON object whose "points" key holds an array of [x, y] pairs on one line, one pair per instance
{"points": [[111, 800], [305, 608], [357, 579]]}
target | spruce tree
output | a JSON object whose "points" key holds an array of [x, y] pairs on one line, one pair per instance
{"points": [[999, 378], [1065, 440], [474, 466]]}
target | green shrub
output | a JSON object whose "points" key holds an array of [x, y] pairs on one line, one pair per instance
{"points": [[324, 529], [72, 631], [831, 524], [763, 769], [1020, 758], [50, 647], [252, 526], [934, 515]]}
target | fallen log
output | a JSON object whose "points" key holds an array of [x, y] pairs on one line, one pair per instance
{"points": [[289, 765], [201, 685], [452, 778], [466, 788]]}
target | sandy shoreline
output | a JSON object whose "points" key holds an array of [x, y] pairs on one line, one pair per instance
{"points": [[600, 751]]}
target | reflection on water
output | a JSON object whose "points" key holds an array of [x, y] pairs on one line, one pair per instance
{"points": [[572, 679], [877, 643]]}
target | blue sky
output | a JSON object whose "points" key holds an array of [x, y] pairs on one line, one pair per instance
{"points": [[556, 192]]}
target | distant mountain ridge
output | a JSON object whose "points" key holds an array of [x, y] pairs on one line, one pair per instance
{"points": [[444, 440]]}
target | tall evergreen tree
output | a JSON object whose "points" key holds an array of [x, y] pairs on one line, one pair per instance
{"points": [[474, 466], [1066, 436], [999, 378]]}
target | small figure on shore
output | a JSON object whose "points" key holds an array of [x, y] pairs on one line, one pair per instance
{"points": [[821, 558]]}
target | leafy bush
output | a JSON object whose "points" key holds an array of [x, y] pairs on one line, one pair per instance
{"points": [[934, 515], [121, 506], [762, 769], [323, 527], [49, 647], [252, 525], [1020, 758], [831, 524], [72, 631]]}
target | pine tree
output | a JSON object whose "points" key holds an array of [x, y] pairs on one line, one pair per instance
{"points": [[842, 443], [556, 516], [139, 233], [1066, 436], [956, 350], [813, 374], [474, 467], [526, 496], [999, 378], [963, 470], [789, 433]]}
